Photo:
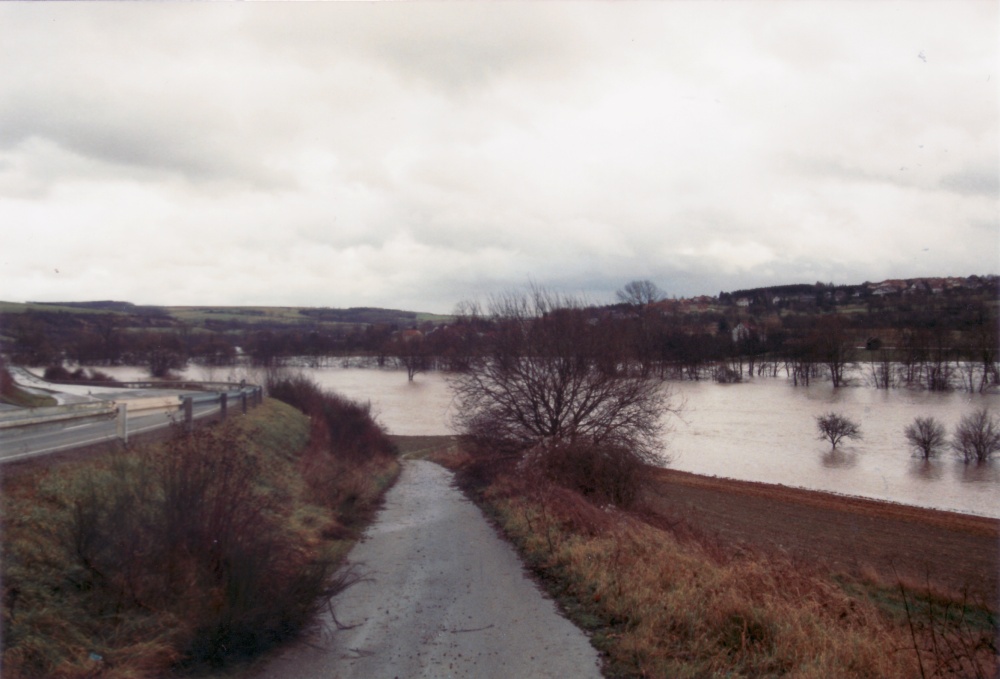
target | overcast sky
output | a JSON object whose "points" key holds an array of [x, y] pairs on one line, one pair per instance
{"points": [[415, 155]]}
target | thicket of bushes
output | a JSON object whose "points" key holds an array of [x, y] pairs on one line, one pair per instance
{"points": [[350, 460], [210, 547], [59, 373]]}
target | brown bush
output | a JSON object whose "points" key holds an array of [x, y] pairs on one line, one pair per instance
{"points": [[58, 373], [207, 548], [605, 474], [351, 431], [188, 529]]}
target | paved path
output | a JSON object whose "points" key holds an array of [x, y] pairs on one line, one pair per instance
{"points": [[443, 597]]}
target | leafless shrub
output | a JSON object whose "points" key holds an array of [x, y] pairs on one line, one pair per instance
{"points": [[602, 474], [724, 374], [188, 528]]}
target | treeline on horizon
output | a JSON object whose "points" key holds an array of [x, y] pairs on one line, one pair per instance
{"points": [[939, 333]]}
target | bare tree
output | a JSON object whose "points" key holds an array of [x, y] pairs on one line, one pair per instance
{"points": [[549, 382], [977, 436], [986, 342], [163, 353], [938, 367], [834, 428], [640, 293], [927, 436], [641, 331], [411, 350], [800, 361], [834, 348], [913, 354], [882, 370]]}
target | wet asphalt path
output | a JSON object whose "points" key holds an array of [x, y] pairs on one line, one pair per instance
{"points": [[443, 596]]}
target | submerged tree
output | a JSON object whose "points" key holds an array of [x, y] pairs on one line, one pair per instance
{"points": [[162, 353], [927, 436], [411, 351], [977, 436], [834, 428], [833, 348]]}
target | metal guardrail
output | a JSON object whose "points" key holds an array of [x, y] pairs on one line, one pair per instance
{"points": [[28, 416], [222, 393]]}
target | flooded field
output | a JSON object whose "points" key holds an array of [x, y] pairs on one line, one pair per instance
{"points": [[762, 430]]}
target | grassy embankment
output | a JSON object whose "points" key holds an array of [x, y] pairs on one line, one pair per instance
{"points": [[12, 394], [189, 554], [667, 603]]}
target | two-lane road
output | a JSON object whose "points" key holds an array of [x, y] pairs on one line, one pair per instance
{"points": [[20, 442]]}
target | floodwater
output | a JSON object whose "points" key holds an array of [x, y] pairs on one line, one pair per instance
{"points": [[760, 430], [765, 430]]}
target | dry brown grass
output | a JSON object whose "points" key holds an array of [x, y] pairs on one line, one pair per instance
{"points": [[664, 607], [663, 596]]}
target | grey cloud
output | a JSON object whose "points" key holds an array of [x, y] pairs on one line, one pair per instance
{"points": [[973, 182], [835, 168], [465, 47], [141, 140], [409, 154]]}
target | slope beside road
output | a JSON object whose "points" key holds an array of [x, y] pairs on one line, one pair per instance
{"points": [[441, 596]]}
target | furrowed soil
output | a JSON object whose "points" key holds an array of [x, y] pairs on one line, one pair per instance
{"points": [[950, 551]]}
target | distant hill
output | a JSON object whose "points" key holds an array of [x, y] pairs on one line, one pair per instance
{"points": [[107, 305], [224, 317], [826, 294]]}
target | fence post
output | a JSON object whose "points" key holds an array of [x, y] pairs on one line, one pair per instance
{"points": [[189, 413], [223, 404], [243, 398], [122, 422]]}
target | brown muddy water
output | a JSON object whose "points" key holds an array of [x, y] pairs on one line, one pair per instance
{"points": [[761, 430]]}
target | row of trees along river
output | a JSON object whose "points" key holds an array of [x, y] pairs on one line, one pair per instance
{"points": [[744, 414], [934, 334], [743, 383]]}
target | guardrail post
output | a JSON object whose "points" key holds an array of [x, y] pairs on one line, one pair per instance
{"points": [[223, 404], [122, 422], [243, 399], [189, 413]]}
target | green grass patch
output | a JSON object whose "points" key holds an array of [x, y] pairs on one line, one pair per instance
{"points": [[16, 396], [12, 394]]}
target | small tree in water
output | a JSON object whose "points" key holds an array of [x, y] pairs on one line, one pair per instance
{"points": [[834, 427], [926, 436], [977, 437]]}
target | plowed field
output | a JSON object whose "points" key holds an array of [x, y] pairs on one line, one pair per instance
{"points": [[953, 551]]}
